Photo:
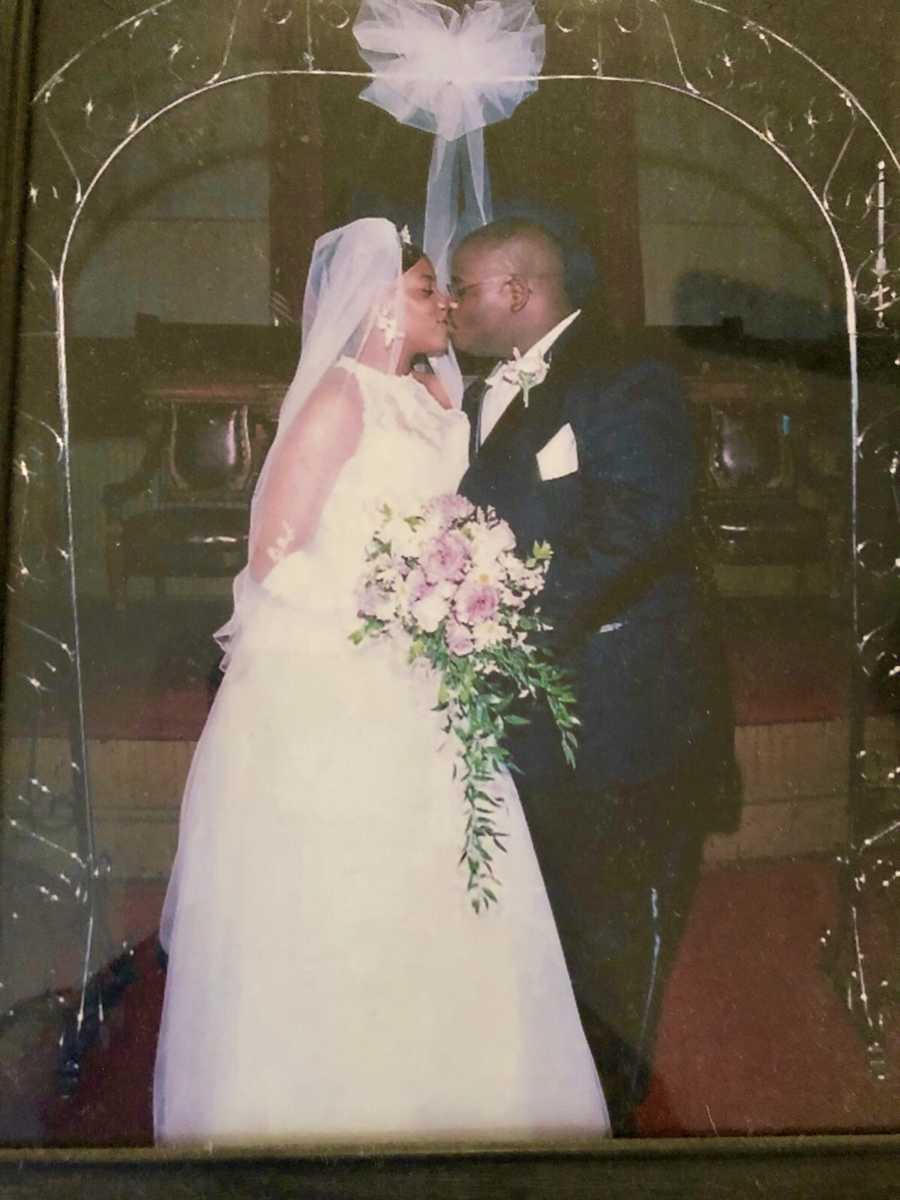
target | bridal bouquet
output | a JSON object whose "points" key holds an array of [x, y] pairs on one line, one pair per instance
{"points": [[447, 580]]}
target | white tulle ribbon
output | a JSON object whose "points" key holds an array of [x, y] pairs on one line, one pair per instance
{"points": [[451, 74]]}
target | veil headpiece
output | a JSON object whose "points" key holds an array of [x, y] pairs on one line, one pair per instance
{"points": [[353, 276], [352, 285], [451, 73]]}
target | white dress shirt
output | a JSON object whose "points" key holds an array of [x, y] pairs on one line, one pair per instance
{"points": [[501, 392]]}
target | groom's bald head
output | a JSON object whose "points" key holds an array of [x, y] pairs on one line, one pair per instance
{"points": [[525, 245], [509, 277]]}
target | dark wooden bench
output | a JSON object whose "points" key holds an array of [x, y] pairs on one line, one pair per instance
{"points": [[209, 397]]}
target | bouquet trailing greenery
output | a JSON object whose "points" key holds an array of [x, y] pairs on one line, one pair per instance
{"points": [[448, 581]]}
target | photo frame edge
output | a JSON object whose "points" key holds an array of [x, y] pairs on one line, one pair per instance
{"points": [[867, 1164], [784, 1166]]}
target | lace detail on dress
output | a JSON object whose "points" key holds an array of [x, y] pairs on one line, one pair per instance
{"points": [[400, 402], [284, 539], [411, 449]]}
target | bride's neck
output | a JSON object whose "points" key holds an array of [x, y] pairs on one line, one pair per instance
{"points": [[390, 360]]}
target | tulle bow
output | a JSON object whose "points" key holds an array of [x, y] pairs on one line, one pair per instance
{"points": [[446, 72], [451, 74]]}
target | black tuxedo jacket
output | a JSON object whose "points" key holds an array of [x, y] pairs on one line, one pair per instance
{"points": [[631, 614]]}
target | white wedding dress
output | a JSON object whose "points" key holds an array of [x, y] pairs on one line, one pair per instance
{"points": [[328, 979]]}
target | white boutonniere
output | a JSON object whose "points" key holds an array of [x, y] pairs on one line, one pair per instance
{"points": [[526, 370]]}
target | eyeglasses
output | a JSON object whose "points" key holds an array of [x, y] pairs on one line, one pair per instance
{"points": [[458, 293]]}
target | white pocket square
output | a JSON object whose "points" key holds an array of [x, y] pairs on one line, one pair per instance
{"points": [[560, 455]]}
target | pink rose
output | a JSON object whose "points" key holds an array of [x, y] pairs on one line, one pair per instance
{"points": [[418, 585], [373, 602], [445, 557], [459, 640], [367, 600], [451, 507], [476, 602]]}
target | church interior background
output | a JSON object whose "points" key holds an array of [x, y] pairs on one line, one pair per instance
{"points": [[697, 244]]}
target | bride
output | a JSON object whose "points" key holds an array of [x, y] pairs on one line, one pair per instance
{"points": [[327, 976]]}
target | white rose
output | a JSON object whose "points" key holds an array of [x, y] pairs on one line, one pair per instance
{"points": [[402, 592], [490, 543], [404, 540], [512, 597], [430, 527], [515, 568], [390, 579], [489, 633], [431, 610], [385, 607], [486, 572]]}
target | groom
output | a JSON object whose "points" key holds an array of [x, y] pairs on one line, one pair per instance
{"points": [[600, 463]]}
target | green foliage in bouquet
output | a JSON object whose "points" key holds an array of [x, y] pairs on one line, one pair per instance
{"points": [[447, 580]]}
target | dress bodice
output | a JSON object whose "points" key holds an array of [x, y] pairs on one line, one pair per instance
{"points": [[410, 450]]}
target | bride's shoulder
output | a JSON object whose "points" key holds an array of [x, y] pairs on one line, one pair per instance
{"points": [[335, 405], [331, 420]]}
